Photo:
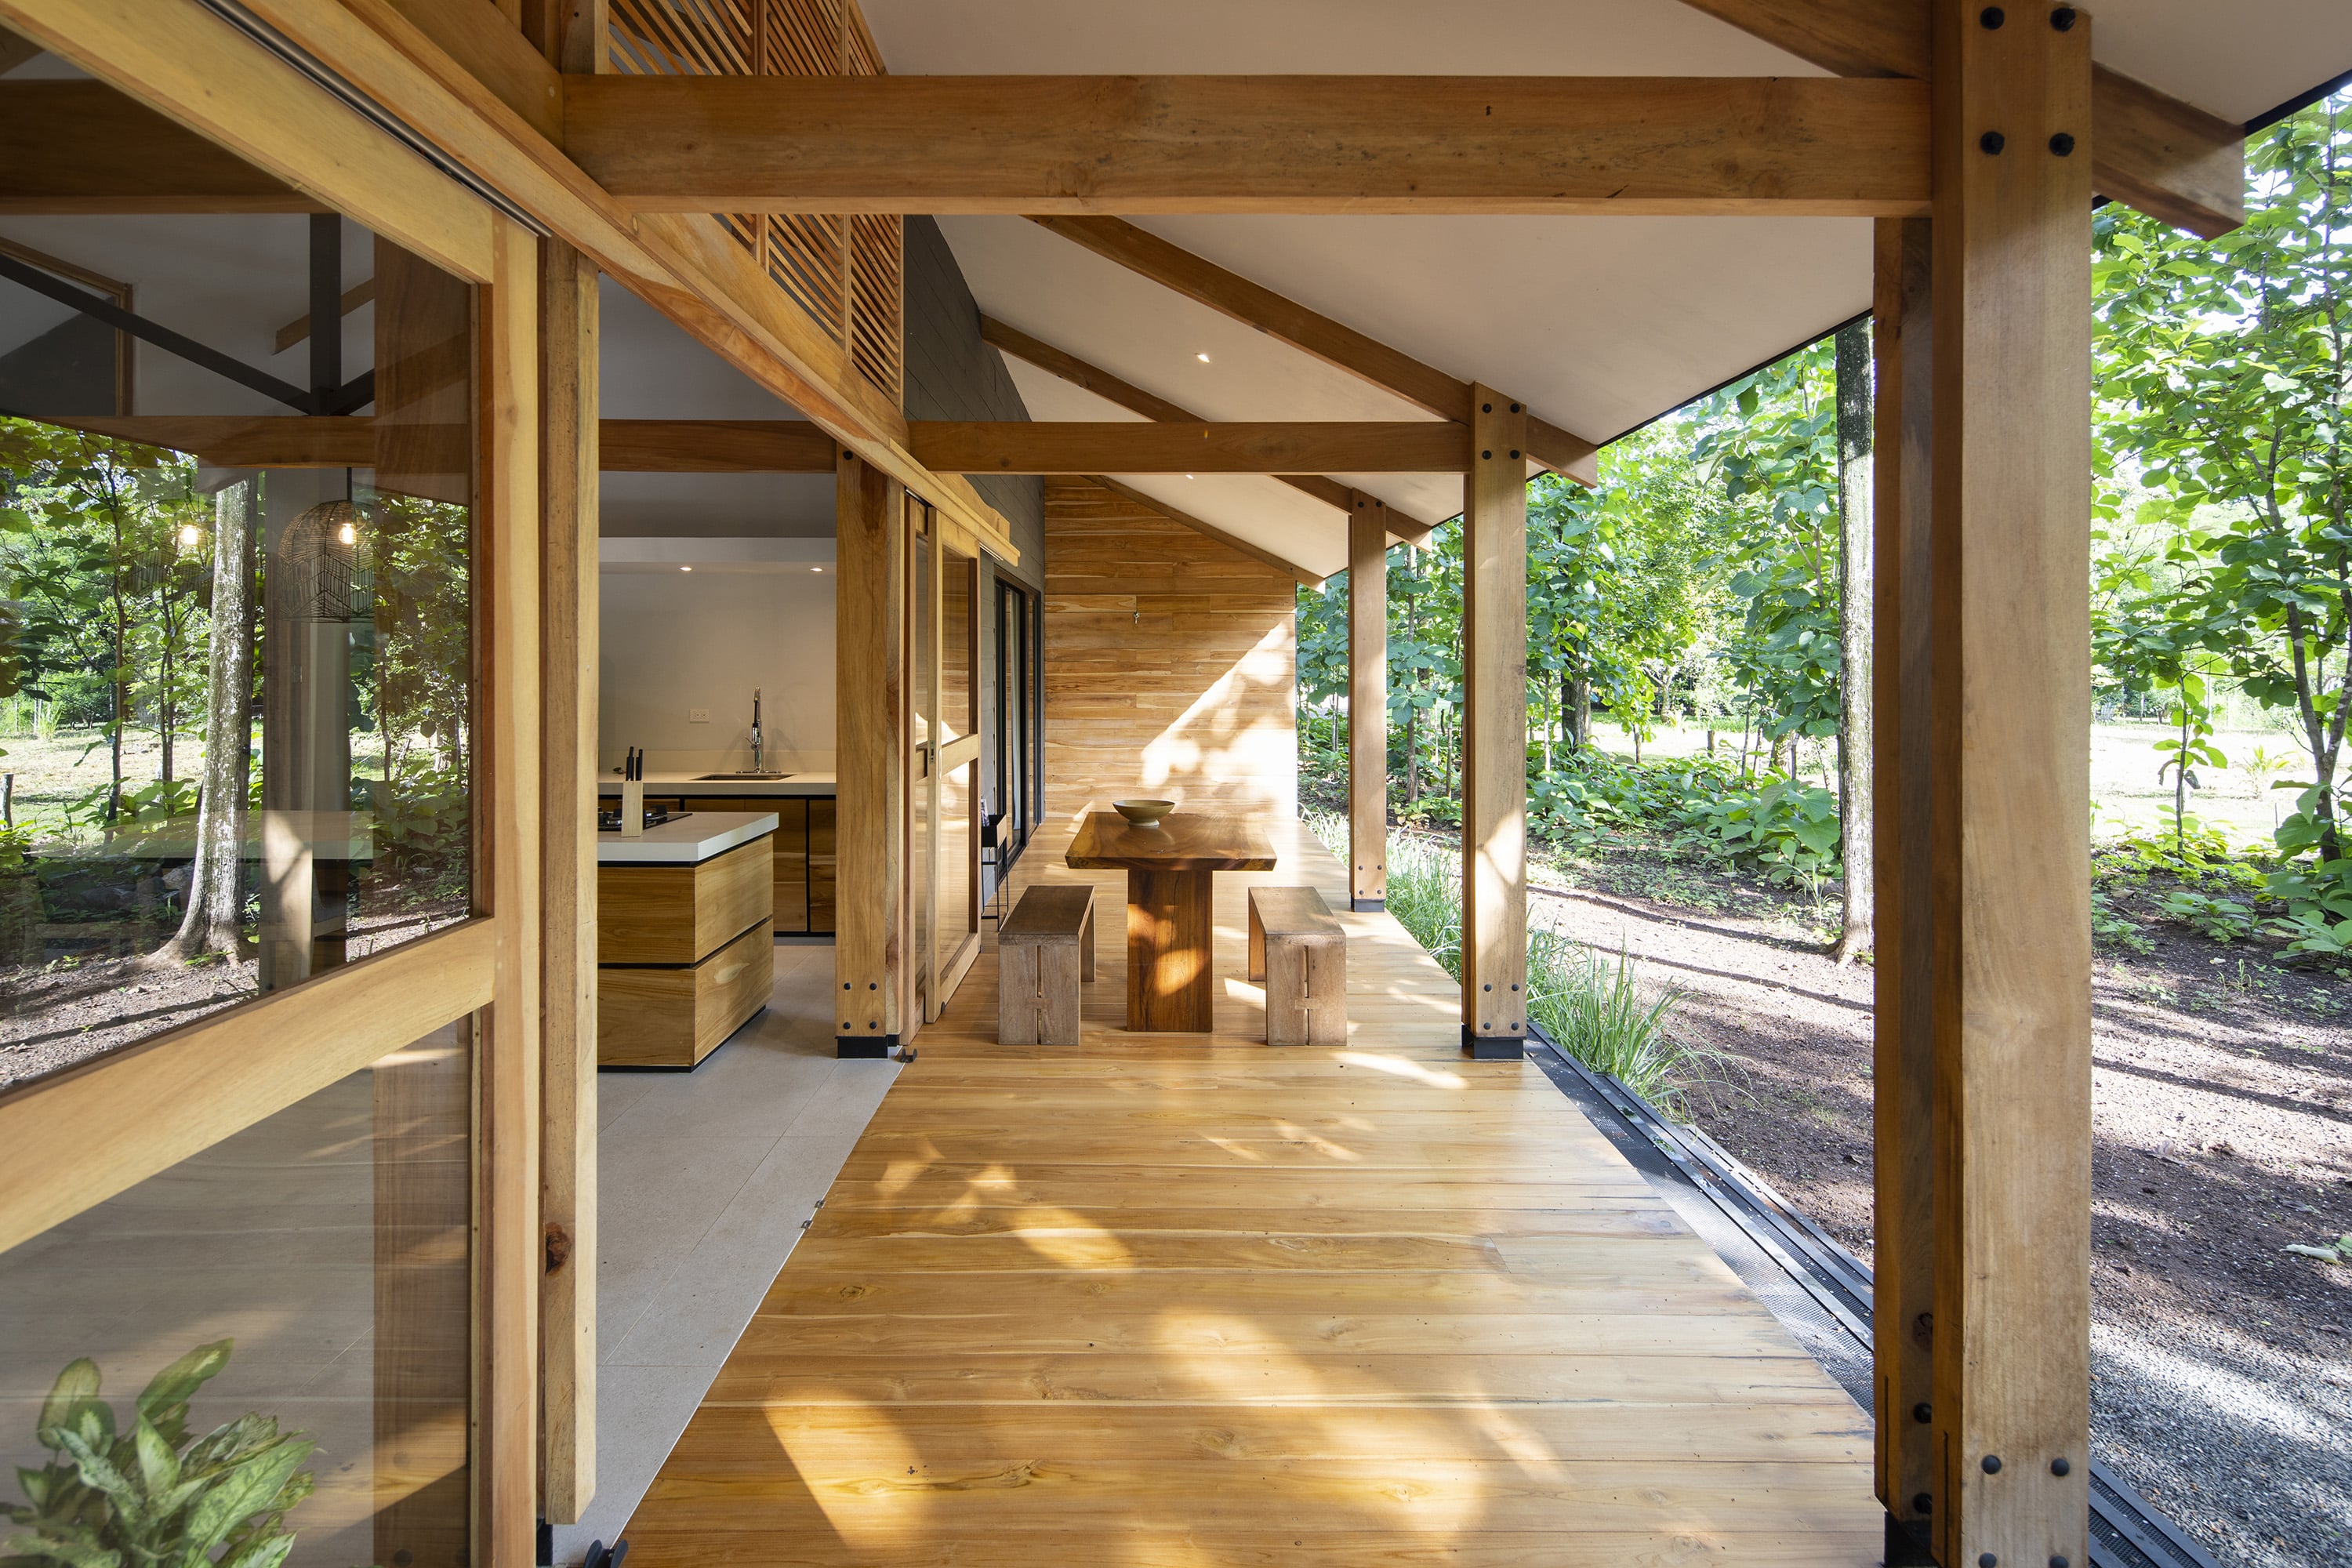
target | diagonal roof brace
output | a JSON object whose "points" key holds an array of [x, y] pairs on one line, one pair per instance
{"points": [[1129, 397], [351, 395], [1310, 331]]}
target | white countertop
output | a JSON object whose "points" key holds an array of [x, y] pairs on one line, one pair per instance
{"points": [[689, 841], [667, 785]]}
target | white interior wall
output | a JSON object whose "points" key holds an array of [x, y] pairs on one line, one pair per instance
{"points": [[673, 641]]}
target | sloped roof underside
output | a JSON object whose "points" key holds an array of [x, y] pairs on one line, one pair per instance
{"points": [[1599, 323]]}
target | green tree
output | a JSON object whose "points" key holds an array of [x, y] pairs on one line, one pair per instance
{"points": [[2225, 386]]}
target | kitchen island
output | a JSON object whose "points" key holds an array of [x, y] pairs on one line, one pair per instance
{"points": [[685, 955], [802, 852]]}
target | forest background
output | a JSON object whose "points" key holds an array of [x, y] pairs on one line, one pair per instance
{"points": [[1708, 601]]}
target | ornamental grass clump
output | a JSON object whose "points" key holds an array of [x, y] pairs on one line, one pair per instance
{"points": [[148, 1497], [1600, 1013], [1596, 1012]]}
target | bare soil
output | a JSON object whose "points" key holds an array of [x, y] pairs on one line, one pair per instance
{"points": [[2222, 1132]]}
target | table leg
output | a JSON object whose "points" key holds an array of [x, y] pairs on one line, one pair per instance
{"points": [[1170, 980]]}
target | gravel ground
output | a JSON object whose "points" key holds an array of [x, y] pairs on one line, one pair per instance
{"points": [[2223, 1126]]}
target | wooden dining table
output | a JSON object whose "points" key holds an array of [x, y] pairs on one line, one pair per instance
{"points": [[1171, 927]]}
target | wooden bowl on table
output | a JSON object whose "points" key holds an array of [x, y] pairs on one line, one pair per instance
{"points": [[1143, 813]]}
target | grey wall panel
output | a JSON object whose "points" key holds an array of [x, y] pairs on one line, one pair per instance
{"points": [[951, 375]]}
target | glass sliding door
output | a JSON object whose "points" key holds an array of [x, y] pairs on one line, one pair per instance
{"points": [[955, 800], [944, 765]]}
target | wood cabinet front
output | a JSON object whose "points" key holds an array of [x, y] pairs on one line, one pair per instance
{"points": [[802, 854], [673, 1017], [674, 914]]}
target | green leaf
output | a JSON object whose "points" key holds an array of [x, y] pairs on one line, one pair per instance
{"points": [[177, 1383], [73, 1553], [242, 1491], [76, 1386], [159, 1468]]}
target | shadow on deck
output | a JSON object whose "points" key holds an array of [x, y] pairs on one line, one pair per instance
{"points": [[1162, 1300]]}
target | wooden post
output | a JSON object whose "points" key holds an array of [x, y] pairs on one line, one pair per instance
{"points": [[1368, 702], [1914, 789], [568, 645], [869, 954], [510, 1255], [1494, 730], [2011, 484]]}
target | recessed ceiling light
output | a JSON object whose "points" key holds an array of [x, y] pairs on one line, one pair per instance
{"points": [[686, 568], [1188, 476], [1203, 358], [817, 568]]}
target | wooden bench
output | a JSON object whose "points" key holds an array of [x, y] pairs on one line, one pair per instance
{"points": [[1300, 953], [1044, 949]]}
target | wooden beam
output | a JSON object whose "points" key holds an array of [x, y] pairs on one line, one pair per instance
{"points": [[239, 441], [1914, 792], [1209, 529], [14, 50], [2166, 158], [1646, 145], [174, 54], [1850, 38], [84, 147], [1495, 733], [1129, 397], [798, 447], [716, 447], [869, 955], [1334, 342], [1082, 446], [2148, 149], [568, 777], [1368, 704], [2010, 476]]}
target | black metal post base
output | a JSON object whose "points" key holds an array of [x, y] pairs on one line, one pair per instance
{"points": [[864, 1048], [1368, 906], [1493, 1047], [1906, 1546]]}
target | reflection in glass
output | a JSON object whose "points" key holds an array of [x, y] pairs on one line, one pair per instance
{"points": [[236, 684], [303, 1286]]}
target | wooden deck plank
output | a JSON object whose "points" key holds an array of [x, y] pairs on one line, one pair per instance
{"points": [[1186, 1300]]}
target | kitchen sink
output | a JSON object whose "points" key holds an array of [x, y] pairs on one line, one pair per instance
{"points": [[718, 778]]}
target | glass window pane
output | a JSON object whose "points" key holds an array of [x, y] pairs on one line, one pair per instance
{"points": [[321, 1254], [236, 661]]}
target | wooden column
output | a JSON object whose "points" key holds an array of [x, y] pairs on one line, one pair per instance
{"points": [[2011, 484], [509, 1259], [869, 955], [1494, 730], [568, 628], [1368, 702], [1914, 789]]}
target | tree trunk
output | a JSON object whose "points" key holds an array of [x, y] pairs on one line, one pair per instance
{"points": [[1855, 576], [216, 917], [1580, 711]]}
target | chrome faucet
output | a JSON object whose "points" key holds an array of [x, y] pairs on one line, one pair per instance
{"points": [[759, 742]]}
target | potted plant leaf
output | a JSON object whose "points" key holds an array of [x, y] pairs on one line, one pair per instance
{"points": [[144, 1495]]}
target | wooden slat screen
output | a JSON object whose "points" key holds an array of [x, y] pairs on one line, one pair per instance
{"points": [[845, 273]]}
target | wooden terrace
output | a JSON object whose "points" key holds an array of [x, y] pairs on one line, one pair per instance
{"points": [[1165, 1300]]}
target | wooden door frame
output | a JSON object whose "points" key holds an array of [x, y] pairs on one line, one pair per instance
{"points": [[65, 1141]]}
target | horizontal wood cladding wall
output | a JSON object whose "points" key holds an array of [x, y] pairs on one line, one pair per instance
{"points": [[1169, 662]]}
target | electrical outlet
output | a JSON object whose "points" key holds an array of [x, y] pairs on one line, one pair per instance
{"points": [[698, 715]]}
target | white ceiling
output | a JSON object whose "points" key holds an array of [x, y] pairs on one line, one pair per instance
{"points": [[1599, 324]]}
